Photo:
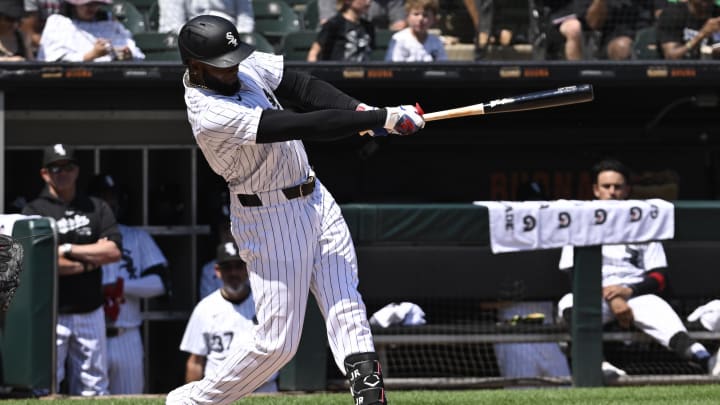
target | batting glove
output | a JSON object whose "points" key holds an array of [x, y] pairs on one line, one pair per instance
{"points": [[403, 120], [371, 132]]}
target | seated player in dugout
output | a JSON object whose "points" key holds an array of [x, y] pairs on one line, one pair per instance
{"points": [[633, 278]]}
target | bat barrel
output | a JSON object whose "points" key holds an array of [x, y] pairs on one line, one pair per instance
{"points": [[542, 99]]}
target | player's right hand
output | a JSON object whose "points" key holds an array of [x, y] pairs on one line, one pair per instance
{"points": [[403, 120]]}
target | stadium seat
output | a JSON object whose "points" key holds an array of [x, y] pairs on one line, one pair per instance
{"points": [[311, 15], [645, 44], [158, 46], [295, 45], [274, 19], [382, 40], [153, 17], [258, 41], [129, 16]]}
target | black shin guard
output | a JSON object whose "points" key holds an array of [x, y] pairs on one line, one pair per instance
{"points": [[680, 343], [365, 376]]}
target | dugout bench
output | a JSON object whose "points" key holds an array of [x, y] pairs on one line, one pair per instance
{"points": [[420, 252]]}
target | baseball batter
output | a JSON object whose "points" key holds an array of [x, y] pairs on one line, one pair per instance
{"points": [[287, 226], [632, 275], [137, 276]]}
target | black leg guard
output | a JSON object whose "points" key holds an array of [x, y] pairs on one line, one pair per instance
{"points": [[680, 343], [365, 376]]}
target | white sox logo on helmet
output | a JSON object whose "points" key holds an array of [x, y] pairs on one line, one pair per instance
{"points": [[231, 39]]}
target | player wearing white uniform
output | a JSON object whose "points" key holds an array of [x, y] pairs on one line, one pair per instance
{"points": [[223, 321], [632, 275], [77, 35], [290, 232], [138, 275]]}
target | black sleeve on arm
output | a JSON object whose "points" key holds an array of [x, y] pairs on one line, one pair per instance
{"points": [[283, 125], [654, 281], [312, 93]]}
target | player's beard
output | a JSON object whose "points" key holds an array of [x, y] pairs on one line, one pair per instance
{"points": [[241, 290], [226, 89]]}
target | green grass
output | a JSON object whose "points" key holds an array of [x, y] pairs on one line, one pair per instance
{"points": [[650, 395]]}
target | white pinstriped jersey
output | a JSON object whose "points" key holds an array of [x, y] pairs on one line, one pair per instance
{"points": [[623, 264], [69, 40], [217, 327], [225, 128], [139, 252]]}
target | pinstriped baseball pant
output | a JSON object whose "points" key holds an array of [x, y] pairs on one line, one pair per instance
{"points": [[292, 248], [81, 342]]}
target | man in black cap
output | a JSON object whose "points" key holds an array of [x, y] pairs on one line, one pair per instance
{"points": [[88, 237]]}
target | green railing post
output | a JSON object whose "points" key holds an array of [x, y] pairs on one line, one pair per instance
{"points": [[586, 328]]}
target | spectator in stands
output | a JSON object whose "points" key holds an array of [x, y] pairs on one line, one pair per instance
{"points": [[84, 32], [223, 321], [139, 274], [388, 14], [415, 43], [565, 30], [632, 277], [481, 13], [88, 238], [14, 44], [36, 13], [497, 23], [384, 14], [347, 36], [684, 29], [617, 21], [175, 13]]}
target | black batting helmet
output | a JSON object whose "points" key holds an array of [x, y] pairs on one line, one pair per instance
{"points": [[212, 40]]}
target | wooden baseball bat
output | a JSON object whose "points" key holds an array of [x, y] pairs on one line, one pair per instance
{"points": [[531, 101]]}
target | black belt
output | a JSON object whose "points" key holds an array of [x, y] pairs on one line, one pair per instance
{"points": [[252, 200], [112, 331]]}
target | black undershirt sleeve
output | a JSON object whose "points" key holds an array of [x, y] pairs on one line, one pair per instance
{"points": [[312, 93], [283, 125], [330, 112]]}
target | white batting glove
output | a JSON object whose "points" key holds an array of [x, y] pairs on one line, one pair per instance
{"points": [[375, 131], [708, 314], [403, 120]]}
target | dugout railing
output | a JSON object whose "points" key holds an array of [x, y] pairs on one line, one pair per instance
{"points": [[446, 245]]}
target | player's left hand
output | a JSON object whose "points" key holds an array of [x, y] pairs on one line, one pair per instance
{"points": [[374, 131], [403, 120]]}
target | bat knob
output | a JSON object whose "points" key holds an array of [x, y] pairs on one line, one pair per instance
{"points": [[419, 109]]}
